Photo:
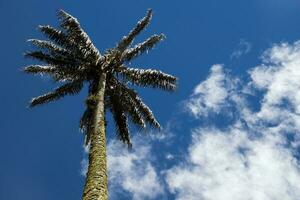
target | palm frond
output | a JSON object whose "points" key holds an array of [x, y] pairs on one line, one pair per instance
{"points": [[148, 77], [134, 115], [114, 91], [137, 50], [121, 122], [70, 88], [50, 59], [50, 47], [39, 69], [144, 109], [58, 73], [78, 35], [133, 99], [56, 35], [141, 25]]}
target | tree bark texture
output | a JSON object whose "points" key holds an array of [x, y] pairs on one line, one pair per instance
{"points": [[96, 185]]}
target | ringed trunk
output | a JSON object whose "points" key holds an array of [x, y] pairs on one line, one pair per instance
{"points": [[96, 185]]}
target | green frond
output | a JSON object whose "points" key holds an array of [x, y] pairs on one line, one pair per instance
{"points": [[134, 114], [50, 47], [58, 73], [41, 56], [149, 77], [137, 50], [39, 69], [56, 35], [49, 59], [65, 64], [67, 21], [130, 96], [127, 40], [144, 109], [114, 91], [78, 35], [70, 88], [121, 122]]}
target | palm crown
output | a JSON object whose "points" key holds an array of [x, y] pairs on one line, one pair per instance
{"points": [[72, 60]]}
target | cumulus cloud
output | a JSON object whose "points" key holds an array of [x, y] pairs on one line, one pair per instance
{"points": [[229, 165], [252, 158], [279, 77], [132, 171], [210, 95], [242, 48]]}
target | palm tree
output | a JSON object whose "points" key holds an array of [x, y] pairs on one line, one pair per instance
{"points": [[72, 60]]}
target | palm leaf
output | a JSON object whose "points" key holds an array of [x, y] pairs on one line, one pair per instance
{"points": [[58, 73], [120, 121], [78, 35], [57, 36], [70, 88], [50, 59], [39, 69], [127, 40], [142, 47], [50, 47], [133, 98], [148, 77], [114, 91], [144, 109]]}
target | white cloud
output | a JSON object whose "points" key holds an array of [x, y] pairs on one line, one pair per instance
{"points": [[210, 95], [251, 159], [279, 77], [132, 171], [242, 48], [229, 165]]}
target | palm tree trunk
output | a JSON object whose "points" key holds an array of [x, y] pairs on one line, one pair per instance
{"points": [[96, 186]]}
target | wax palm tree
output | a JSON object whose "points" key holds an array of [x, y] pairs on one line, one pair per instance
{"points": [[72, 60]]}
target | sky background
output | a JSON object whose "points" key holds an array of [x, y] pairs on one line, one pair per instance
{"points": [[231, 130]]}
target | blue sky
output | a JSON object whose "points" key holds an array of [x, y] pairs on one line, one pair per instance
{"points": [[232, 127]]}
